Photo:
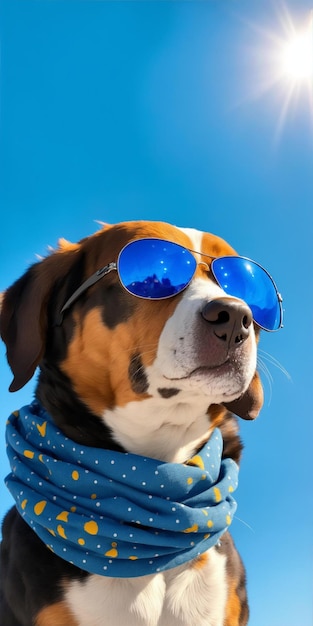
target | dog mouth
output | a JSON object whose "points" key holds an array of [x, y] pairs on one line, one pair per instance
{"points": [[204, 370], [211, 375]]}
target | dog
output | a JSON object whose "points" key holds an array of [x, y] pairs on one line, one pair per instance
{"points": [[137, 367]]}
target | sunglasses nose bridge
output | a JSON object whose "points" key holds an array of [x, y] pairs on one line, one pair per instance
{"points": [[207, 268]]}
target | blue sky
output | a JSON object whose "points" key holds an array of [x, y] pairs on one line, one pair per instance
{"points": [[174, 111]]}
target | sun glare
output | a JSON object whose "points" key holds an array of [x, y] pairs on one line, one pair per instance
{"points": [[297, 55], [283, 61]]}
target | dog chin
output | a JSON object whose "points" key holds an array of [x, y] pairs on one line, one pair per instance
{"points": [[223, 383]]}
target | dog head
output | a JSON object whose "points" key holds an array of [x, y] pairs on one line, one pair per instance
{"points": [[115, 350]]}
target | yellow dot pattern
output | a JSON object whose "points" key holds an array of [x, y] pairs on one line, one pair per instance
{"points": [[113, 553], [61, 531], [192, 529], [63, 516], [29, 454], [217, 493], [68, 496], [42, 428], [197, 460], [91, 528], [40, 507]]}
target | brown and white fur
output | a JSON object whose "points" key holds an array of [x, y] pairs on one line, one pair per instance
{"points": [[149, 377]]}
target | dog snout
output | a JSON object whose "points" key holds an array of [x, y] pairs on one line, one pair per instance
{"points": [[229, 320]]}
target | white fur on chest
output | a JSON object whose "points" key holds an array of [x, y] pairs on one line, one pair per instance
{"points": [[184, 596]]}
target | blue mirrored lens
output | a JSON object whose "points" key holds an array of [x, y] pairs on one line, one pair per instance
{"points": [[154, 268], [245, 279]]}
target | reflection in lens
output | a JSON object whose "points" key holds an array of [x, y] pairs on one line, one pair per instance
{"points": [[245, 279], [154, 268]]}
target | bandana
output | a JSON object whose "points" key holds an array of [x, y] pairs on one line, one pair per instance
{"points": [[112, 513]]}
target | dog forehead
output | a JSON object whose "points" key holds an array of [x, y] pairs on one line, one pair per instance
{"points": [[115, 237]]}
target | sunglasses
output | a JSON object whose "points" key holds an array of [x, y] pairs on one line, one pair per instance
{"points": [[156, 269]]}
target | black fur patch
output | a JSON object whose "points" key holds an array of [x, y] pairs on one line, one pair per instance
{"points": [[137, 375], [168, 393], [31, 575], [118, 305], [69, 412]]}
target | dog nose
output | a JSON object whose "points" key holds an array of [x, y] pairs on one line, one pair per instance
{"points": [[229, 319]]}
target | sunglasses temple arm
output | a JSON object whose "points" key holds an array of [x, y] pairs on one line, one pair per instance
{"points": [[83, 287]]}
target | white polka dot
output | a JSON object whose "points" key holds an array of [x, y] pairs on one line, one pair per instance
{"points": [[134, 467]]}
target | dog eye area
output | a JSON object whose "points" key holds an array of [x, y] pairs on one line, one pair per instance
{"points": [[156, 269]]}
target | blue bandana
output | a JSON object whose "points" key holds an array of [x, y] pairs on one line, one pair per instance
{"points": [[112, 513]]}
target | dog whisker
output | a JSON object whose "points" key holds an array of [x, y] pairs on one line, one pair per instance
{"points": [[273, 361], [244, 523], [268, 376]]}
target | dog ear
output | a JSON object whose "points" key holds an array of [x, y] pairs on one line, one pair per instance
{"points": [[22, 326], [24, 314], [249, 404]]}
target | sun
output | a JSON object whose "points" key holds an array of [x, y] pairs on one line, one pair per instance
{"points": [[297, 54], [283, 67]]}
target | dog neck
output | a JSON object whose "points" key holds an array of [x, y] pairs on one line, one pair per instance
{"points": [[169, 429], [164, 429]]}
